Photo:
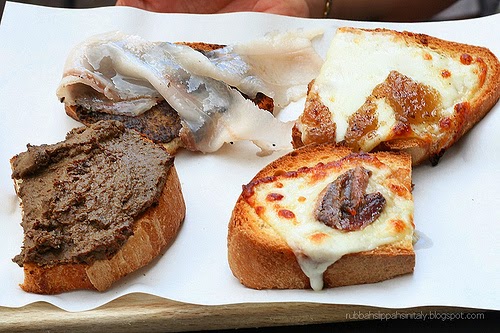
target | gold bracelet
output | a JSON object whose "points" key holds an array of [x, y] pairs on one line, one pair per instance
{"points": [[327, 9]]}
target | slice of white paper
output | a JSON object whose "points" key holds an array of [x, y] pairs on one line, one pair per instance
{"points": [[456, 202]]}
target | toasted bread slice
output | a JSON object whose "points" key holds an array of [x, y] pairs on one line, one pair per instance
{"points": [[276, 240], [387, 90], [88, 223]]}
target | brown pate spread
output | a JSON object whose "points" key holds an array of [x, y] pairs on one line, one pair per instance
{"points": [[80, 197]]}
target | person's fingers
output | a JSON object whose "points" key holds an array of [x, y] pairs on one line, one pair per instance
{"points": [[283, 7]]}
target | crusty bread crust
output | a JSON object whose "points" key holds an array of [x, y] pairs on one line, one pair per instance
{"points": [[466, 117], [154, 231], [261, 259]]}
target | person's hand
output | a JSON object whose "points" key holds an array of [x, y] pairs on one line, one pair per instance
{"points": [[301, 8], [363, 10]]}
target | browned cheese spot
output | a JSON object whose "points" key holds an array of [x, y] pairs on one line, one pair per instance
{"points": [[274, 197], [466, 59], [445, 73], [285, 213]]}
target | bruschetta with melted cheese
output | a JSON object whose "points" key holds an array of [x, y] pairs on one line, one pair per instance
{"points": [[324, 216], [387, 90]]}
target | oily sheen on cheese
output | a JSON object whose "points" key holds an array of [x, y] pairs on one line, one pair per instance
{"points": [[287, 203], [359, 60]]}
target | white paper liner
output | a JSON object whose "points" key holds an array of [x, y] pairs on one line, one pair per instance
{"points": [[456, 203]]}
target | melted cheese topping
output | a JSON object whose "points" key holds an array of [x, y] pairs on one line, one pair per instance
{"points": [[287, 204], [358, 60]]}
